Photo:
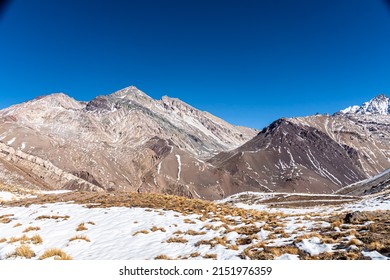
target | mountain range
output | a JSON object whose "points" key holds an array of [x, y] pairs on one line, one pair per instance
{"points": [[128, 141]]}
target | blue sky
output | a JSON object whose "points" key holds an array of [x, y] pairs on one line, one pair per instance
{"points": [[247, 61]]}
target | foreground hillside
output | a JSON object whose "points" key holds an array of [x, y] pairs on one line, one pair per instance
{"points": [[82, 225]]}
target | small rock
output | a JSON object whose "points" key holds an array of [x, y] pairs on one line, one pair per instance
{"points": [[355, 217]]}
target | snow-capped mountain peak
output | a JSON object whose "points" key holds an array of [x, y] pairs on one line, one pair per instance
{"points": [[379, 105], [350, 109]]}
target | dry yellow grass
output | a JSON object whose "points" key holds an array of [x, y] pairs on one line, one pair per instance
{"points": [[285, 235], [278, 231], [341, 255], [261, 251], [253, 250], [176, 240], [162, 257], [243, 241], [5, 219], [91, 223], [266, 227], [337, 223], [232, 247], [271, 236], [79, 237], [247, 230], [307, 236], [31, 229], [54, 217], [289, 250], [58, 254], [24, 252], [301, 228], [81, 227], [355, 241], [185, 206], [188, 221], [192, 232], [6, 216], [17, 225], [194, 255], [328, 240], [144, 231], [23, 239], [154, 228], [375, 245], [36, 239], [213, 242], [2, 240], [353, 232], [210, 256]]}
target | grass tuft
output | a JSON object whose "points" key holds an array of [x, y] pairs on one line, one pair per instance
{"points": [[192, 232], [194, 255], [154, 229], [58, 254], [210, 256], [176, 240], [23, 239], [81, 227], [144, 231], [23, 251], [31, 229], [55, 217], [79, 237], [36, 239], [162, 257]]}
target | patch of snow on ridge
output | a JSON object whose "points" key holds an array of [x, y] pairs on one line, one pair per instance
{"points": [[374, 255], [6, 196], [11, 141], [178, 167], [350, 109]]}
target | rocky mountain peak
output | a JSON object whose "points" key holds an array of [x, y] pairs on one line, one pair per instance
{"points": [[57, 100], [42, 103], [129, 92], [379, 105]]}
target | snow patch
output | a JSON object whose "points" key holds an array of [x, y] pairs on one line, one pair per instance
{"points": [[178, 167], [11, 141], [374, 255], [313, 246]]}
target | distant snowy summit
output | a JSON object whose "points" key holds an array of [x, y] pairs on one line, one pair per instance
{"points": [[380, 105]]}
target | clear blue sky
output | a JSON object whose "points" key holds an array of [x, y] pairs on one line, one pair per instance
{"points": [[249, 62]]}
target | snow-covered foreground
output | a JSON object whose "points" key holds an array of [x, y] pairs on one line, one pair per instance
{"points": [[112, 232], [147, 233]]}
